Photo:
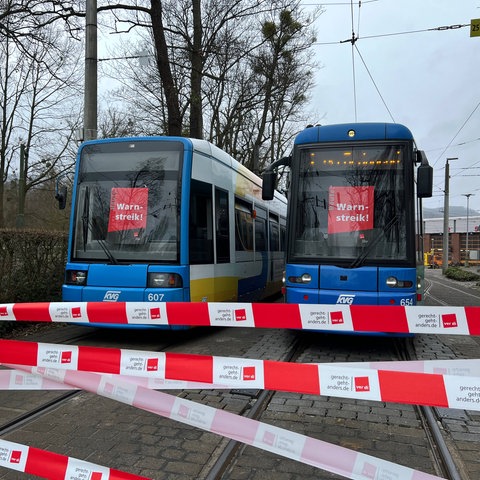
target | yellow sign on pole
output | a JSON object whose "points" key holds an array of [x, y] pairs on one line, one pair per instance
{"points": [[475, 27]]}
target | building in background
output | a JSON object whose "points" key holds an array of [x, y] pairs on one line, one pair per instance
{"points": [[457, 226]]}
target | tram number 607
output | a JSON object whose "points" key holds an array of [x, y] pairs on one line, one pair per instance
{"points": [[155, 297]]}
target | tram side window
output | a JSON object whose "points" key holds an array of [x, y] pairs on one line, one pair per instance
{"points": [[222, 229], [283, 236], [201, 223], [274, 235], [260, 235], [243, 227]]}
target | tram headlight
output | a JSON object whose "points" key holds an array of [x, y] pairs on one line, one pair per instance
{"points": [[305, 278], [76, 277], [393, 282], [164, 280]]}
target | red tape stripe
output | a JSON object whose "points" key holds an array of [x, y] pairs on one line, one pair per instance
{"points": [[107, 312], [277, 315], [98, 359], [24, 312], [46, 464], [195, 314], [291, 377], [397, 387], [379, 319], [473, 320], [188, 367], [16, 351]]}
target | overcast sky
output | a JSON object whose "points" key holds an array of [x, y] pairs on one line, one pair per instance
{"points": [[429, 80]]}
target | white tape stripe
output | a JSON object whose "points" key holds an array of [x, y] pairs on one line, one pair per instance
{"points": [[21, 380], [274, 439]]}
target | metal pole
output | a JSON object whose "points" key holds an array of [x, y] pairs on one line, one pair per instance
{"points": [[445, 217], [467, 252], [21, 189], [90, 94]]}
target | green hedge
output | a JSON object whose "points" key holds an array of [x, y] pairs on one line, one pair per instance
{"points": [[457, 273], [32, 266]]}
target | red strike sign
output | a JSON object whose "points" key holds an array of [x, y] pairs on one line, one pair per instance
{"points": [[350, 209], [128, 209]]}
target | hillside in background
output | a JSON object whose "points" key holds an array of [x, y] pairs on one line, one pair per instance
{"points": [[452, 210]]}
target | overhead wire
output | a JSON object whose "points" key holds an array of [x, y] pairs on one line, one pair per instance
{"points": [[353, 41], [455, 136], [353, 62], [408, 32], [374, 84]]}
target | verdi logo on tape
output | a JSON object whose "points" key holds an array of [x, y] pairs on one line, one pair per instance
{"points": [[50, 355], [231, 314], [362, 384], [238, 372], [288, 444], [138, 362], [64, 312], [449, 320], [145, 313], [248, 373], [336, 317], [437, 320], [13, 455], [79, 470], [192, 413], [240, 315], [350, 383]]}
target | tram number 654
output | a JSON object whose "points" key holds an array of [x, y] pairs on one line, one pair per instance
{"points": [[155, 297], [404, 302]]}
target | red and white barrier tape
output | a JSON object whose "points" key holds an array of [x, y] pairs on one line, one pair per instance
{"points": [[18, 380], [14, 379], [344, 318], [54, 466], [311, 451], [411, 387]]}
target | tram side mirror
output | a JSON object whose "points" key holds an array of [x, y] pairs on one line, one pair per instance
{"points": [[424, 177], [61, 196], [268, 186]]}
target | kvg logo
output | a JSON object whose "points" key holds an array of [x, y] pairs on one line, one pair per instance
{"points": [[111, 295], [345, 299]]}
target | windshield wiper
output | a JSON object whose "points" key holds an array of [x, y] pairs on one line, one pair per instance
{"points": [[103, 243], [359, 261], [87, 224]]}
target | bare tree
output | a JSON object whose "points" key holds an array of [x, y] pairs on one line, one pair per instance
{"points": [[39, 98]]}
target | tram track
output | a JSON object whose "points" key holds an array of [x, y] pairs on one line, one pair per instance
{"points": [[46, 407], [445, 463], [255, 408], [441, 452]]}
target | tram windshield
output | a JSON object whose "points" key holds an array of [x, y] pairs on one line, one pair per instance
{"points": [[127, 203], [350, 206]]}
